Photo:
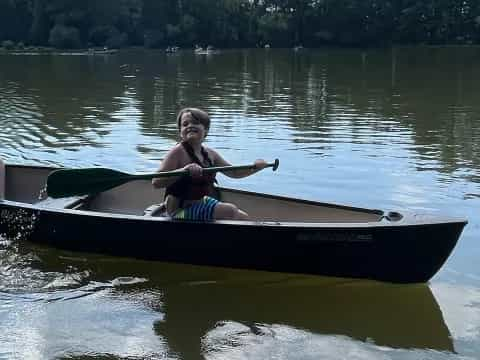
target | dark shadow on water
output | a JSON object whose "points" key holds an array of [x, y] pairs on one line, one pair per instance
{"points": [[197, 299], [390, 315]]}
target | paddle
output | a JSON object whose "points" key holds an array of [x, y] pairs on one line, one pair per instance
{"points": [[70, 182]]}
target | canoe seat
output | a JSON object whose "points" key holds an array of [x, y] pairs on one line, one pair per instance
{"points": [[156, 210], [71, 202]]}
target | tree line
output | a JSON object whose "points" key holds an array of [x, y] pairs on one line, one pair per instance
{"points": [[237, 23]]}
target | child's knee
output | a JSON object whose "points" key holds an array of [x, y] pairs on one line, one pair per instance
{"points": [[231, 211], [237, 214], [228, 211]]}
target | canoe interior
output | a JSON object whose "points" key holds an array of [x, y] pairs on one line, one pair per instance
{"points": [[25, 183]]}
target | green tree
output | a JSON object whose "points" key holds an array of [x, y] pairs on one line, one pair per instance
{"points": [[39, 30], [239, 23], [67, 37]]}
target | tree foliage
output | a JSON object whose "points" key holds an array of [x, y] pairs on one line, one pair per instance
{"points": [[238, 23]]}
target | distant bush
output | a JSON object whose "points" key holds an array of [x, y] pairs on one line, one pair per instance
{"points": [[8, 44], [64, 37], [154, 39], [173, 32], [273, 28], [108, 36], [99, 35], [117, 40]]}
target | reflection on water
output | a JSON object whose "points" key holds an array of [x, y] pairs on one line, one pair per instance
{"points": [[317, 100], [460, 305], [392, 129], [330, 115], [80, 306], [190, 310], [234, 341], [56, 310], [46, 326], [403, 317]]}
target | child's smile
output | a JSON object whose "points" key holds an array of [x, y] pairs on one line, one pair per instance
{"points": [[191, 128]]}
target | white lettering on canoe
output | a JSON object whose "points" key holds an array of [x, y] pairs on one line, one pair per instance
{"points": [[334, 237]]}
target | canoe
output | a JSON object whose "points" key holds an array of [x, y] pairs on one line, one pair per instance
{"points": [[284, 234]]}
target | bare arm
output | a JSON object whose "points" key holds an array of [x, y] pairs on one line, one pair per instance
{"points": [[170, 162], [218, 160]]}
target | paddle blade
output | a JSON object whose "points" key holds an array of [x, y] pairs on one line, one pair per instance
{"points": [[71, 182]]}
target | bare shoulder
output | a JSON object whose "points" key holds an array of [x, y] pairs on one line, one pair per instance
{"points": [[216, 158], [173, 159], [173, 153], [176, 149]]}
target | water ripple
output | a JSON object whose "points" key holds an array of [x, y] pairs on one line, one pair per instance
{"points": [[234, 340]]}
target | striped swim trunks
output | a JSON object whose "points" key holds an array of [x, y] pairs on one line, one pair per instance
{"points": [[199, 211]]}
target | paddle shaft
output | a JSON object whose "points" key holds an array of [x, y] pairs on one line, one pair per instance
{"points": [[207, 170]]}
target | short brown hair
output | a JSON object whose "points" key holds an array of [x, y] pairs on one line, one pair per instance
{"points": [[201, 116]]}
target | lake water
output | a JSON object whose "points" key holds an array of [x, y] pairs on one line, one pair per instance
{"points": [[384, 128]]}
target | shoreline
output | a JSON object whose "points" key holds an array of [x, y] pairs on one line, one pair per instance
{"points": [[35, 51], [53, 51]]}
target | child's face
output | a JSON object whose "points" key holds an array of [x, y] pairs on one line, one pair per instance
{"points": [[191, 129]]}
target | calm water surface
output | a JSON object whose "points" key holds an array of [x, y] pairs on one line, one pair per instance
{"points": [[390, 129]]}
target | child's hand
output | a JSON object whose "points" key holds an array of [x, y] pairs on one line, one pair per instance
{"points": [[194, 170]]}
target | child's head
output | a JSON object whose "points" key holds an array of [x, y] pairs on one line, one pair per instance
{"points": [[199, 115]]}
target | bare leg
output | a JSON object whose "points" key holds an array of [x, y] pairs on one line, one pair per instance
{"points": [[227, 211]]}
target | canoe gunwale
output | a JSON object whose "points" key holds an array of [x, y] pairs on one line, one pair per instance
{"points": [[408, 218]]}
